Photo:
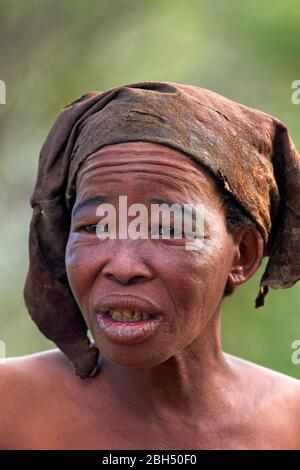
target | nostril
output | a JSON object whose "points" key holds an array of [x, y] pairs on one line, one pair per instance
{"points": [[137, 278], [122, 280], [112, 277]]}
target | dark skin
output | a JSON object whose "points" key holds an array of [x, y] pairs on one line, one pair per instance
{"points": [[176, 389]]}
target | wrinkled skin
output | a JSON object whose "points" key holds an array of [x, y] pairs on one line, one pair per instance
{"points": [[182, 283], [176, 389]]}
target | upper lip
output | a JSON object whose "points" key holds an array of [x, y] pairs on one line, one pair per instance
{"points": [[128, 302]]}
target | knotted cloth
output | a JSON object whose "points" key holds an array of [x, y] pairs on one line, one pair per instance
{"points": [[250, 151]]}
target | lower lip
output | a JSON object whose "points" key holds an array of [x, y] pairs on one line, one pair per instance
{"points": [[127, 332]]}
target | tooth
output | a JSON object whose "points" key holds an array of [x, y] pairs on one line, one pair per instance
{"points": [[126, 315]]}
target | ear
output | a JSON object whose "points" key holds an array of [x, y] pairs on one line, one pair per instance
{"points": [[249, 250]]}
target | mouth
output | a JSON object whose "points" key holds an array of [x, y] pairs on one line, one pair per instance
{"points": [[128, 315], [128, 319]]}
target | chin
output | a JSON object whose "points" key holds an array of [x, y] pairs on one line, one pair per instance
{"points": [[132, 356]]}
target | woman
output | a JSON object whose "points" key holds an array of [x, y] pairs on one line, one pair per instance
{"points": [[161, 379]]}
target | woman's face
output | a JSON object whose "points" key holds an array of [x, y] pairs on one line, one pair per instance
{"points": [[185, 286]]}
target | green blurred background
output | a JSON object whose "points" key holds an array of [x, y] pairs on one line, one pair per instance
{"points": [[54, 51]]}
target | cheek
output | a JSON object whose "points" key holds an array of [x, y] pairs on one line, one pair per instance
{"points": [[197, 280], [82, 266]]}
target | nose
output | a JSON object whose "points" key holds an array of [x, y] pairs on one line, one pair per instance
{"points": [[126, 266]]}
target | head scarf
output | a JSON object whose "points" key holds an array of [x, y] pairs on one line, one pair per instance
{"points": [[249, 151]]}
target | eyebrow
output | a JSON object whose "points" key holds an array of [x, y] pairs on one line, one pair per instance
{"points": [[92, 201], [79, 207], [187, 210]]}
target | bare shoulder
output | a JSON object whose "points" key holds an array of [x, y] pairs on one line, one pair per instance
{"points": [[25, 382], [260, 374], [35, 369], [275, 397]]}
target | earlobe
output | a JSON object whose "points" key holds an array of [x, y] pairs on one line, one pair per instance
{"points": [[236, 276], [247, 257]]}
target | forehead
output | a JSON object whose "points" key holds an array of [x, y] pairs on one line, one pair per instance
{"points": [[148, 165]]}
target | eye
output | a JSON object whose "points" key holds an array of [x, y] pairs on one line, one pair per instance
{"points": [[95, 228], [90, 228], [168, 231]]}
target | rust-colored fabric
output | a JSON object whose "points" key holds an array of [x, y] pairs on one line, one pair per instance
{"points": [[249, 151]]}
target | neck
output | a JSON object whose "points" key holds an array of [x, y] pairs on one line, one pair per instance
{"points": [[188, 381]]}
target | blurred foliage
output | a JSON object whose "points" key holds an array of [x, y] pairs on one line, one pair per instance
{"points": [[54, 51]]}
